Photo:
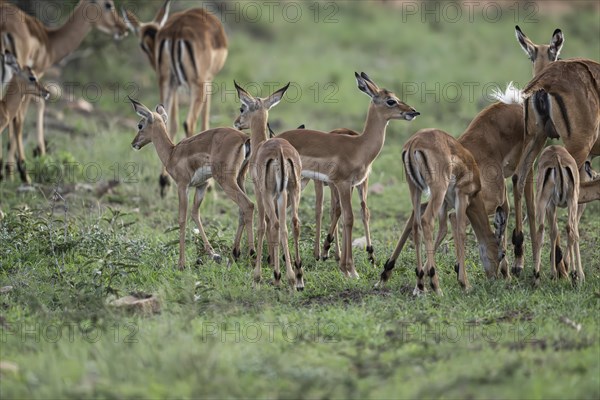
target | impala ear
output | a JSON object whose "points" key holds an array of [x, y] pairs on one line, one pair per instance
{"points": [[160, 109], [133, 24], [163, 13], [276, 97], [526, 44], [244, 96], [271, 132], [556, 44], [141, 110], [365, 84], [11, 61]]}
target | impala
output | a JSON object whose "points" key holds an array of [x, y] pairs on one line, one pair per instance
{"points": [[187, 49], [220, 153], [495, 139], [344, 161], [558, 186], [23, 82], [275, 167], [437, 163], [40, 47]]}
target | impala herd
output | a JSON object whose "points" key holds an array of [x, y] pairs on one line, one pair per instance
{"points": [[464, 179]]}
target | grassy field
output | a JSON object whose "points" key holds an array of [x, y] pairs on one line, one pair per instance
{"points": [[67, 257]]}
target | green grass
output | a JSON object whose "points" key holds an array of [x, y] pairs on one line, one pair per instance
{"points": [[216, 336]]}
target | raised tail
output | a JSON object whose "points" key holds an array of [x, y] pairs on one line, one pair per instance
{"points": [[511, 95]]}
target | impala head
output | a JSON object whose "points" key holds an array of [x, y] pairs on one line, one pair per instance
{"points": [[146, 31], [103, 16], [383, 101], [151, 124], [253, 107], [543, 54], [26, 78]]}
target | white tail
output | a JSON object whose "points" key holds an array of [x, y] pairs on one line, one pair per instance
{"points": [[511, 95]]}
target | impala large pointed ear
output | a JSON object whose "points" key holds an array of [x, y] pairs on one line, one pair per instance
{"points": [[556, 44], [11, 62], [163, 13], [131, 21], [141, 110], [160, 109], [526, 44], [244, 96], [276, 97], [365, 84]]}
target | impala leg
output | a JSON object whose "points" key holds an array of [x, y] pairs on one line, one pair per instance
{"points": [[41, 106], [11, 152], [542, 195], [236, 194], [273, 230], [206, 106], [2, 156], [260, 234], [500, 223], [365, 213], [20, 149], [460, 239], [283, 237], [294, 200], [427, 224], [183, 204], [443, 226], [168, 96], [345, 195], [198, 197], [241, 221], [415, 196], [318, 219], [197, 98], [332, 234], [551, 217], [573, 238]]}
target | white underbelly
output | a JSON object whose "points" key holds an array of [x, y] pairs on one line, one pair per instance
{"points": [[201, 175], [317, 176]]}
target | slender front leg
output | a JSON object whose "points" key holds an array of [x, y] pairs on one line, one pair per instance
{"points": [[260, 233], [183, 203], [20, 149], [365, 213], [500, 223], [168, 96], [294, 199], [198, 197], [332, 235], [318, 218], [345, 194], [460, 239], [231, 188]]}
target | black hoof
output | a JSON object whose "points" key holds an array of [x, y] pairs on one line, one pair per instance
{"points": [[300, 289], [236, 254], [516, 271]]}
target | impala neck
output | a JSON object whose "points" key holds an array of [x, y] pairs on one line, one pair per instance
{"points": [[64, 40], [258, 130], [373, 135], [164, 145], [485, 237]]}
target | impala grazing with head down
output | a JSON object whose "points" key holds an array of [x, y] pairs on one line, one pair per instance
{"points": [[496, 140], [275, 167], [344, 161], [220, 153], [186, 49], [40, 47]]}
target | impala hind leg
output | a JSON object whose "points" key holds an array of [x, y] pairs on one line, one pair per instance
{"points": [[283, 238], [260, 234], [294, 200], [347, 263], [500, 223], [237, 195], [427, 224], [318, 219], [198, 197], [197, 99], [273, 232], [365, 214], [415, 196], [183, 204], [460, 239], [333, 235]]}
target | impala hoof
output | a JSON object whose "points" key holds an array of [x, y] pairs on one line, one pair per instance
{"points": [[216, 258]]}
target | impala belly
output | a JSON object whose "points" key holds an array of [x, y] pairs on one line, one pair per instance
{"points": [[201, 175], [317, 176]]}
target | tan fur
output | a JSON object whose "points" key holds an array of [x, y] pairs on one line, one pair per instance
{"points": [[275, 167], [223, 150], [589, 191], [345, 161], [188, 50], [40, 47], [435, 161], [558, 186]]}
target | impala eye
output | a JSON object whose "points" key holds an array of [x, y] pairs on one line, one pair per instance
{"points": [[391, 102], [108, 6], [31, 79], [140, 127]]}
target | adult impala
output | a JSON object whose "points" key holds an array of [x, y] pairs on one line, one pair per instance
{"points": [[40, 47], [344, 161], [220, 153], [186, 49], [275, 167]]}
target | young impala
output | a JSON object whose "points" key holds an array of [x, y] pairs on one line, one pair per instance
{"points": [[275, 167], [344, 161], [558, 186], [220, 153], [187, 50], [23, 82], [437, 163], [40, 47]]}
